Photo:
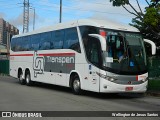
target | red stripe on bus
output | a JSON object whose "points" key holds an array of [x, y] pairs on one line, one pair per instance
{"points": [[46, 54], [137, 77], [21, 55], [57, 54]]}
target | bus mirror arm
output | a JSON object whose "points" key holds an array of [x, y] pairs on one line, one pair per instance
{"points": [[102, 40], [153, 45]]}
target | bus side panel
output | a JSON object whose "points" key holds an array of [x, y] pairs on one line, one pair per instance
{"points": [[13, 68], [20, 60]]}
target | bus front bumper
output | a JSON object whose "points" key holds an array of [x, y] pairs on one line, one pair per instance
{"points": [[111, 87]]}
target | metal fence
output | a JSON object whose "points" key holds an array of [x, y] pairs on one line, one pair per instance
{"points": [[154, 67], [4, 66]]}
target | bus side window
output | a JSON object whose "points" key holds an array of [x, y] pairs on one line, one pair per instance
{"points": [[26, 43], [13, 44], [45, 41], [85, 30], [52, 40], [58, 39], [19, 44], [71, 40], [35, 42]]}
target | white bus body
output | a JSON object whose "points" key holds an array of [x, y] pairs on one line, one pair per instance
{"points": [[76, 55]]}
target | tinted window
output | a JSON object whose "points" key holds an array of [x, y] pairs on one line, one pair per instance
{"points": [[59, 37], [26, 45], [93, 51], [71, 40], [85, 30], [18, 44], [45, 41], [35, 42], [48, 40], [13, 44], [21, 44], [52, 46], [91, 45]]}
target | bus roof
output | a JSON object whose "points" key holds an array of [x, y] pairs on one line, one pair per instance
{"points": [[107, 24], [88, 22]]}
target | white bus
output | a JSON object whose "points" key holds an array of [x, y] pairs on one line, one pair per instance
{"points": [[89, 54]]}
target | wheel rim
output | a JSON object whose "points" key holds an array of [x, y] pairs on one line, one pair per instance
{"points": [[20, 78], [76, 85], [27, 78]]}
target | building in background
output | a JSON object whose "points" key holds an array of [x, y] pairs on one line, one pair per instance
{"points": [[6, 32]]}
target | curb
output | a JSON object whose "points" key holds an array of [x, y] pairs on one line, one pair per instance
{"points": [[153, 93], [2, 74]]}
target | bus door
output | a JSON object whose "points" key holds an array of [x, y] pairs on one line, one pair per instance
{"points": [[93, 52]]}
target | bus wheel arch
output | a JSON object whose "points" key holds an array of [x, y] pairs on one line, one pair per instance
{"points": [[20, 76], [28, 77], [75, 83]]}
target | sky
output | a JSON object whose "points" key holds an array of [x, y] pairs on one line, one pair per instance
{"points": [[47, 11]]}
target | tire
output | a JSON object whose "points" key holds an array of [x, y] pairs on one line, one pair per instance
{"points": [[28, 79], [21, 80], [76, 85]]}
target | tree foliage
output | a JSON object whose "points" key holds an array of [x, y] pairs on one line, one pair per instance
{"points": [[119, 2], [151, 17]]}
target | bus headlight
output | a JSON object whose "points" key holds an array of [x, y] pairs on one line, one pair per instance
{"points": [[106, 77]]}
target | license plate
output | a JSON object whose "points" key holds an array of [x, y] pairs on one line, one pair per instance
{"points": [[129, 88]]}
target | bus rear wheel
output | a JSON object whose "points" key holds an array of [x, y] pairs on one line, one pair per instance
{"points": [[28, 79], [76, 85], [20, 77]]}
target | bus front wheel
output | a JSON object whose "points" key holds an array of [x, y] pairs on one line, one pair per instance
{"points": [[76, 85]]}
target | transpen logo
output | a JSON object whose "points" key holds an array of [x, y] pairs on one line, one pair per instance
{"points": [[38, 64], [61, 60]]}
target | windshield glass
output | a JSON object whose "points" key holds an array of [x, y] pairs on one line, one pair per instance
{"points": [[125, 53]]}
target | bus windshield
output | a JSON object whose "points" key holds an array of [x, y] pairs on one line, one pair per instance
{"points": [[125, 53]]}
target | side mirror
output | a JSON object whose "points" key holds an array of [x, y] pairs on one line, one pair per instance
{"points": [[101, 39], [153, 45]]}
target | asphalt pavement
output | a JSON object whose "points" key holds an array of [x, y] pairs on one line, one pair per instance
{"points": [[44, 97]]}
